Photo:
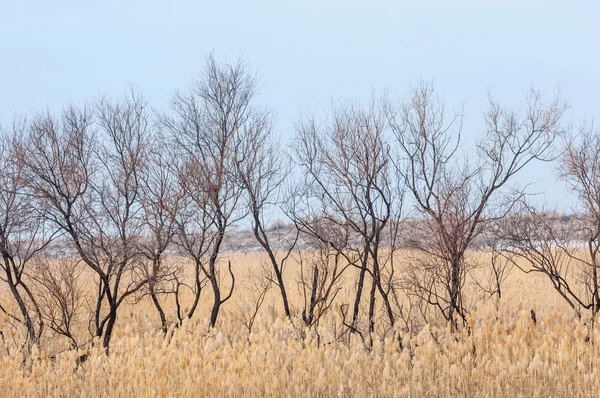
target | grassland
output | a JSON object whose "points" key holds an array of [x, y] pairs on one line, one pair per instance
{"points": [[502, 353]]}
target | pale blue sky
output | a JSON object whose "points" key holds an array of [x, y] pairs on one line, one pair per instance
{"points": [[305, 52]]}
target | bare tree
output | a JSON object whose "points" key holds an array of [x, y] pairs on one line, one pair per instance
{"points": [[204, 127], [160, 199], [498, 271], [567, 250], [320, 279], [23, 235], [60, 292], [89, 183], [349, 183], [193, 234], [537, 241], [581, 170], [261, 171], [458, 199], [254, 292]]}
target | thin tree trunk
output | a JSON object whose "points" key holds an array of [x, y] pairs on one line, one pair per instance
{"points": [[196, 293], [308, 320], [13, 285], [372, 297], [161, 313], [217, 301], [110, 324], [361, 282], [454, 294], [284, 298]]}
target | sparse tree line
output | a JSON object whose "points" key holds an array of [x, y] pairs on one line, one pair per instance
{"points": [[123, 183]]}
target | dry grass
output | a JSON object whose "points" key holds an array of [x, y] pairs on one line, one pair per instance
{"points": [[505, 355]]}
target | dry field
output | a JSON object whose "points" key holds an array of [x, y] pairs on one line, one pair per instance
{"points": [[506, 354]]}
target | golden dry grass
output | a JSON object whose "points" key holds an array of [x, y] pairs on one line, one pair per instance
{"points": [[505, 355]]}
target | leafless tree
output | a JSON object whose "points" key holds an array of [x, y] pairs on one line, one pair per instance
{"points": [[255, 292], [320, 279], [204, 127], [349, 183], [261, 171], [537, 241], [60, 293], [23, 235], [581, 170], [457, 198], [567, 252], [87, 177], [498, 271], [160, 199]]}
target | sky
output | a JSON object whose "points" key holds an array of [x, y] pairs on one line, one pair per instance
{"points": [[306, 53]]}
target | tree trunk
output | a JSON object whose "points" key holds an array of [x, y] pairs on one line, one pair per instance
{"points": [[308, 318], [454, 294], [110, 324], [384, 296], [372, 297], [360, 284], [265, 244], [217, 301], [13, 285], [161, 313], [284, 298]]}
